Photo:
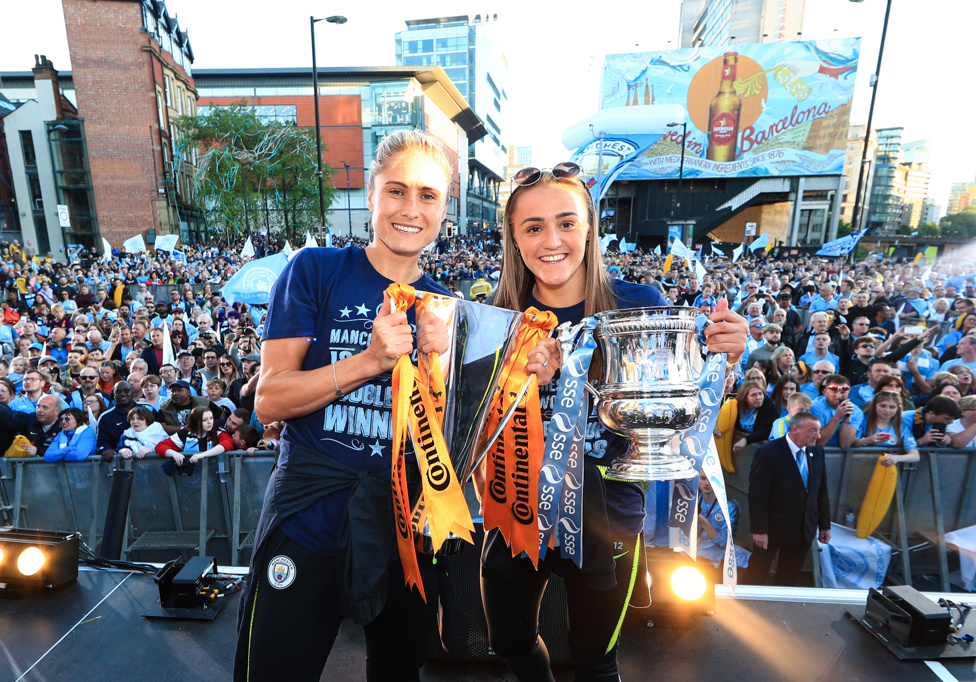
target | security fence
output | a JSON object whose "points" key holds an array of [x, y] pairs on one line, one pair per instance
{"points": [[215, 511], [932, 496]]}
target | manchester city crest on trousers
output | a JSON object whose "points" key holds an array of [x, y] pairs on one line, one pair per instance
{"points": [[281, 572]]}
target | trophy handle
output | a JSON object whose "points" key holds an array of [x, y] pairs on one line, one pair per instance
{"points": [[592, 390]]}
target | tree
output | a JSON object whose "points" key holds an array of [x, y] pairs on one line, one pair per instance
{"points": [[960, 224], [843, 229], [249, 166], [929, 230]]}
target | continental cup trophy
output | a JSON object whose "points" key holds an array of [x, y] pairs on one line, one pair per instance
{"points": [[649, 391], [480, 343]]}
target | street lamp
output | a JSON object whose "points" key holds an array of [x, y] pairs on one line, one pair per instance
{"points": [[855, 215], [336, 19], [348, 199], [681, 167]]}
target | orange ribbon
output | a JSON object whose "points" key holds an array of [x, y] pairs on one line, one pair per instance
{"points": [[431, 375], [511, 501], [443, 500]]}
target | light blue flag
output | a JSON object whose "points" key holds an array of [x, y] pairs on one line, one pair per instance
{"points": [[842, 246], [252, 283], [717, 251], [760, 243], [179, 256]]}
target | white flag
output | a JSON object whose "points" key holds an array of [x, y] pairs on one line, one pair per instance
{"points": [[134, 244], [679, 249], [287, 249], [717, 251], [737, 251], [167, 242], [310, 241], [852, 563], [699, 270], [92, 422], [168, 357], [657, 250], [248, 251], [106, 250]]}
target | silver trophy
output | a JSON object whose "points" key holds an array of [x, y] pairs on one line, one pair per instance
{"points": [[649, 391]]}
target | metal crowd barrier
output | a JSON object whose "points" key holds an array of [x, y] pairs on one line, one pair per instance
{"points": [[933, 496], [215, 511]]}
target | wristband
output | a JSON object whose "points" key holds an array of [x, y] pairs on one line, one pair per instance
{"points": [[339, 393]]}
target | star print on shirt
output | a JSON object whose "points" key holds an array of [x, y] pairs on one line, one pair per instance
{"points": [[362, 310], [345, 312], [376, 449]]}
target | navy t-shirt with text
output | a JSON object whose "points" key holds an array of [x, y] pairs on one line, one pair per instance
{"points": [[331, 296]]}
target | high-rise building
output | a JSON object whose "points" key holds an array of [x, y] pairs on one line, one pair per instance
{"points": [[708, 23], [885, 211], [931, 212], [900, 181], [469, 49], [961, 197]]}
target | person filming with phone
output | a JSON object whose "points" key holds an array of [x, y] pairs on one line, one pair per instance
{"points": [[928, 424]]}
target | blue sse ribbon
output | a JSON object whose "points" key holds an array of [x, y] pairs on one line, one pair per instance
{"points": [[694, 444], [561, 476]]}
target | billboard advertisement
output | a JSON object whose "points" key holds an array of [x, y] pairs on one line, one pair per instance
{"points": [[770, 109]]}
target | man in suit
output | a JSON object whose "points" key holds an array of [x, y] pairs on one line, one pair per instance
{"points": [[788, 501]]}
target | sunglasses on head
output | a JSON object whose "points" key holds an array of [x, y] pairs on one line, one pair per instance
{"points": [[530, 176]]}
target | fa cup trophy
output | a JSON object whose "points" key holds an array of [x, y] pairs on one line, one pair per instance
{"points": [[649, 391]]}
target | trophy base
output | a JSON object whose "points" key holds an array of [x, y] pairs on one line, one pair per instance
{"points": [[652, 464], [452, 545]]}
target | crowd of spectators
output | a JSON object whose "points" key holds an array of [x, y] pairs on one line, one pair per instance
{"points": [[882, 353], [90, 332]]}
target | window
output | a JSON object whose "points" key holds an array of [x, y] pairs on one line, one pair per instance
{"points": [[491, 84], [167, 89], [27, 143]]}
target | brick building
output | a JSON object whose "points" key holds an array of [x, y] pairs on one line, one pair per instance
{"points": [[359, 106], [131, 75]]}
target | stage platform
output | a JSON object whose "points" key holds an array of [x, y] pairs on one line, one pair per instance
{"points": [[93, 630]]}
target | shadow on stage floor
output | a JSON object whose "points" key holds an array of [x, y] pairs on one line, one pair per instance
{"points": [[92, 630]]}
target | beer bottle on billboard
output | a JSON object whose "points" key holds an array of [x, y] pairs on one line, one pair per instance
{"points": [[723, 114]]}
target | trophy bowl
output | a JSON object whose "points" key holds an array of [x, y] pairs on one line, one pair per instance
{"points": [[649, 390]]}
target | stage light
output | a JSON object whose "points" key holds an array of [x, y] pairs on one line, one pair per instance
{"points": [[688, 583], [30, 561], [681, 590]]}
